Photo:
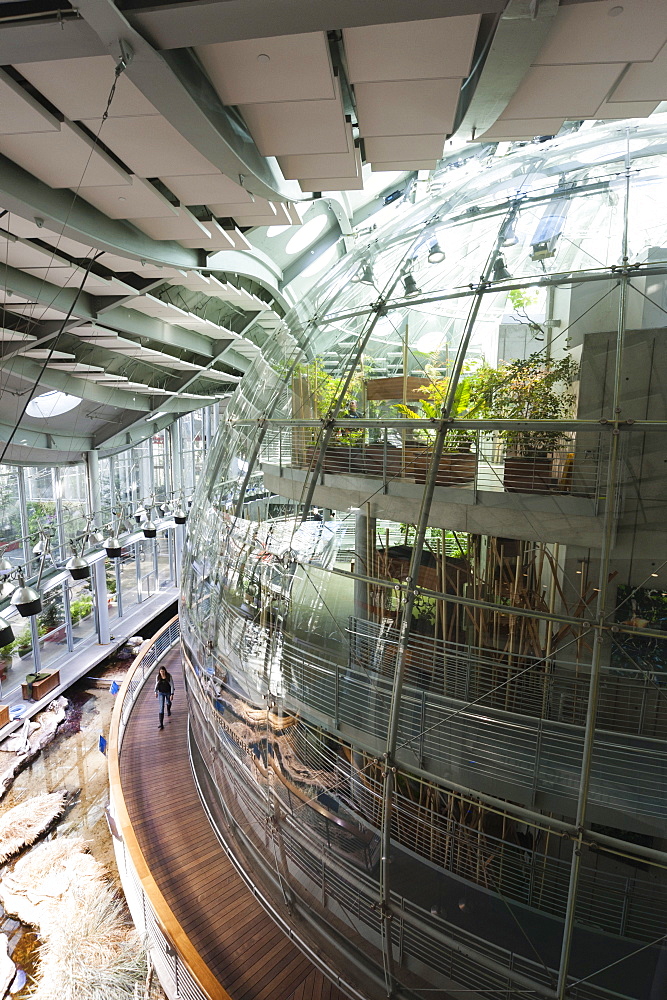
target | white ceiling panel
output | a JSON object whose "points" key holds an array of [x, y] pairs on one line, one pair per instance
{"points": [[151, 146], [215, 243], [290, 127], [23, 255], [322, 165], [412, 107], [411, 50], [331, 184], [563, 91], [644, 81], [138, 200], [260, 206], [603, 32], [40, 354], [259, 70], [19, 112], [116, 263], [200, 189], [63, 159], [404, 165], [72, 366], [38, 312], [626, 109], [385, 148], [526, 128], [247, 221], [181, 226], [13, 335], [80, 87]]}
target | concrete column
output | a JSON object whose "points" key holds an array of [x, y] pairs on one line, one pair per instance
{"points": [[176, 469], [179, 539], [102, 599], [364, 532], [93, 484]]}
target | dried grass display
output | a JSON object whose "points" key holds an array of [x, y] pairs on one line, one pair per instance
{"points": [[25, 823], [90, 951]]}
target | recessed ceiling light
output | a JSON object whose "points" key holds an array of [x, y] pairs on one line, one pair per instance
{"points": [[263, 58]]}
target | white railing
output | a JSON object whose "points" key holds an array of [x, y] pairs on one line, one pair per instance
{"points": [[150, 911]]}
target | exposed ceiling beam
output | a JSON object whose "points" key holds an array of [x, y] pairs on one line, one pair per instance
{"points": [[520, 34], [180, 91], [174, 25], [31, 198], [97, 392], [119, 318]]}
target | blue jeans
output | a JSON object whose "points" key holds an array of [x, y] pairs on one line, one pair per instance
{"points": [[164, 699]]}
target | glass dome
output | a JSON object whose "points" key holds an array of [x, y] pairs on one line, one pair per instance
{"points": [[421, 607]]}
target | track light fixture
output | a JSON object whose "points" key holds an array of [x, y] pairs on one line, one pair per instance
{"points": [[410, 286], [112, 546], [26, 600], [500, 272], [139, 514], [180, 517], [150, 531], [435, 254], [510, 238], [6, 633], [77, 566], [5, 566], [364, 274]]}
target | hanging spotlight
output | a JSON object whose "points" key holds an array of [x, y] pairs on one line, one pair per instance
{"points": [[410, 286], [165, 507], [78, 567], [5, 566], [435, 254], [6, 633], [112, 546], [139, 513], [364, 275], [40, 548], [150, 531], [500, 272], [510, 239], [97, 536], [26, 600], [180, 517]]}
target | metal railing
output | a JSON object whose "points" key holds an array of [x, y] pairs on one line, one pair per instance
{"points": [[574, 466], [318, 877], [500, 748], [175, 975]]}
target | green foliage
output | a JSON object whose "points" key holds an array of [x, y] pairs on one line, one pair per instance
{"points": [[521, 298], [111, 583], [533, 388], [51, 618], [325, 389], [81, 608], [469, 401]]}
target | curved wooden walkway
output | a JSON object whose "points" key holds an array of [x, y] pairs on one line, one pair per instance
{"points": [[245, 950]]}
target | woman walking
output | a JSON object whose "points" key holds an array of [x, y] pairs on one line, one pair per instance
{"points": [[164, 690]]}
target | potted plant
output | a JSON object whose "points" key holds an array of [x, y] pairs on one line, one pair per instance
{"points": [[532, 388], [458, 462], [23, 643], [51, 623], [315, 393]]}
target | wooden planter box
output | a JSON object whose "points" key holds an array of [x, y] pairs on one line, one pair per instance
{"points": [[42, 687], [457, 468], [532, 474], [4, 715]]}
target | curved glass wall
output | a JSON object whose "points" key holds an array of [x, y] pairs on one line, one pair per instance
{"points": [[424, 591]]}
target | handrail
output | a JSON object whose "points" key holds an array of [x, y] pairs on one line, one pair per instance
{"points": [[167, 921]]}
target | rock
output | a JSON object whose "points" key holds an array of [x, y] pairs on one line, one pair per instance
{"points": [[7, 967]]}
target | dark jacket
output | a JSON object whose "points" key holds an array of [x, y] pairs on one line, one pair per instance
{"points": [[164, 685]]}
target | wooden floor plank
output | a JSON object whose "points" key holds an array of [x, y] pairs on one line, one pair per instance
{"points": [[245, 950]]}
